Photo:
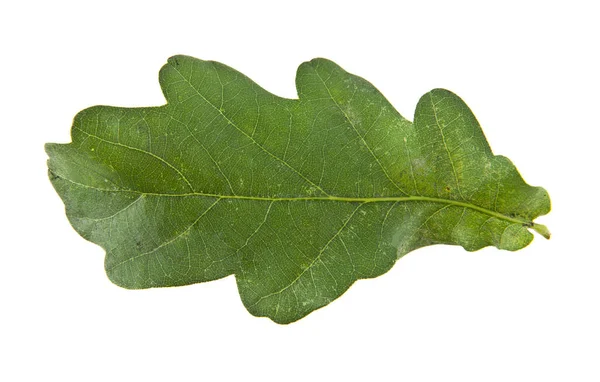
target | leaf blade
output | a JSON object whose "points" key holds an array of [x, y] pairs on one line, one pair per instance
{"points": [[297, 198]]}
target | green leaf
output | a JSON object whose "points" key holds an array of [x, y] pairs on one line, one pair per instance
{"points": [[299, 198]]}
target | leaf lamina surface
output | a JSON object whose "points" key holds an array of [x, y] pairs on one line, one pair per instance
{"points": [[299, 198]]}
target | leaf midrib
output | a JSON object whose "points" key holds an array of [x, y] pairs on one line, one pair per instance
{"points": [[331, 198]]}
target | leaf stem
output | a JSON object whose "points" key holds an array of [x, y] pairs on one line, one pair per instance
{"points": [[541, 229]]}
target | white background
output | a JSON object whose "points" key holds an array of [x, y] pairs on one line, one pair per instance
{"points": [[530, 72]]}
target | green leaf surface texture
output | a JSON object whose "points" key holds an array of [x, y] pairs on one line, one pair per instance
{"points": [[299, 198]]}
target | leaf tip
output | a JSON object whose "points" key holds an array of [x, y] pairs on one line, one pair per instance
{"points": [[176, 60], [49, 147]]}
